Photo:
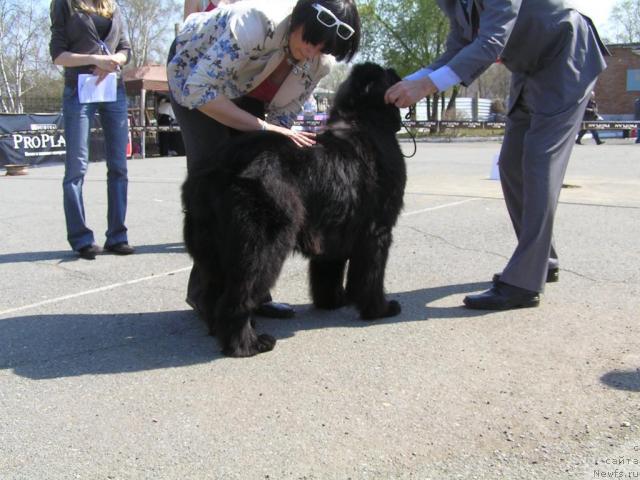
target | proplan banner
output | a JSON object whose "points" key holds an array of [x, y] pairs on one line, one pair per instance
{"points": [[31, 138]]}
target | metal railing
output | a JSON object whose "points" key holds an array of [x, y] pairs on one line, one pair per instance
{"points": [[420, 124], [415, 124]]}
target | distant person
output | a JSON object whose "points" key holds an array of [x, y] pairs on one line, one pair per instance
{"points": [[555, 56], [89, 37], [498, 112], [168, 141], [193, 6], [590, 114], [637, 117]]}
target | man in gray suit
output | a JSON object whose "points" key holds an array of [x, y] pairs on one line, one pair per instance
{"points": [[555, 56]]}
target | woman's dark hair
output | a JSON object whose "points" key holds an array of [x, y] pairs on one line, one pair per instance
{"points": [[315, 33]]}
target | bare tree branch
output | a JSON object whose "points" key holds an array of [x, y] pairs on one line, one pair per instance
{"points": [[625, 19], [24, 63], [150, 28]]}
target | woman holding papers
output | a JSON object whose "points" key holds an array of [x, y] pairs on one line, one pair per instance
{"points": [[88, 38]]}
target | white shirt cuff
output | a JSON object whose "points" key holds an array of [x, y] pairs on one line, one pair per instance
{"points": [[423, 72], [444, 78]]}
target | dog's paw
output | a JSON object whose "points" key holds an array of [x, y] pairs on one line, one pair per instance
{"points": [[265, 343], [389, 309], [393, 309], [260, 344]]}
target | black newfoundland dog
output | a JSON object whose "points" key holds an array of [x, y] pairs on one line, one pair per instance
{"points": [[335, 202]]}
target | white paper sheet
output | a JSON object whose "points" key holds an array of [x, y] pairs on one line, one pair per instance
{"points": [[90, 92]]}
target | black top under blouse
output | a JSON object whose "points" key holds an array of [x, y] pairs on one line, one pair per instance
{"points": [[103, 25]]}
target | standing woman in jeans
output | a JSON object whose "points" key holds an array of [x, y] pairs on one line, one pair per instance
{"points": [[89, 37]]}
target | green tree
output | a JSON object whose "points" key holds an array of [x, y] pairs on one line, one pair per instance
{"points": [[406, 35]]}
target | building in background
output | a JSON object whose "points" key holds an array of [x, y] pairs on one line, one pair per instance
{"points": [[619, 85]]}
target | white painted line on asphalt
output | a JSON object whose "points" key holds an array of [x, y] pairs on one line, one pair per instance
{"points": [[446, 205], [180, 270], [94, 290]]}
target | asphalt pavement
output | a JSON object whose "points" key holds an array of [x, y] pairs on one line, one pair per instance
{"points": [[105, 373]]}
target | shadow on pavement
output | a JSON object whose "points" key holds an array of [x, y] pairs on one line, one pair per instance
{"points": [[415, 308], [53, 346], [628, 380], [70, 256]]}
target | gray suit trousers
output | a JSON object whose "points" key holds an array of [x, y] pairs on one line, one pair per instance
{"points": [[533, 161]]}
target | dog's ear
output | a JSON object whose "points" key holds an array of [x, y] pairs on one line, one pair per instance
{"points": [[365, 77], [363, 90], [392, 76]]}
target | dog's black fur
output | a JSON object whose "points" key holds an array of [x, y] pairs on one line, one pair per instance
{"points": [[334, 202]]}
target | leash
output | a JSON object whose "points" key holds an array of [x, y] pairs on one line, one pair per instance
{"points": [[410, 113]]}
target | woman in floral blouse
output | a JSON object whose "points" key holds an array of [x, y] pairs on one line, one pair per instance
{"points": [[250, 66]]}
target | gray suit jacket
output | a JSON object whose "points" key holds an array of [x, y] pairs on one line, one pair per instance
{"points": [[554, 52]]}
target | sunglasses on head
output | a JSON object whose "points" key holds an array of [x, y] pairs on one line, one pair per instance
{"points": [[328, 19]]}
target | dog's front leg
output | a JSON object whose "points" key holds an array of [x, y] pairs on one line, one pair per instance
{"points": [[235, 331], [365, 277]]}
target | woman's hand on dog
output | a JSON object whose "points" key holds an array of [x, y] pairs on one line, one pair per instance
{"points": [[224, 111], [301, 139]]}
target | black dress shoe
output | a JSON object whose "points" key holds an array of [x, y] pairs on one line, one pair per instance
{"points": [[275, 310], [89, 252], [502, 297], [553, 275], [122, 248]]}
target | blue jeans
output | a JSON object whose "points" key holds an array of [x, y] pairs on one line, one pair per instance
{"points": [[77, 121]]}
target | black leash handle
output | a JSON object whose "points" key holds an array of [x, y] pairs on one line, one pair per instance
{"points": [[410, 113]]}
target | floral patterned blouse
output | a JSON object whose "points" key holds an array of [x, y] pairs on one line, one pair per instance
{"points": [[232, 49]]}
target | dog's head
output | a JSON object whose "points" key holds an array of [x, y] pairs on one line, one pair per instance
{"points": [[361, 96]]}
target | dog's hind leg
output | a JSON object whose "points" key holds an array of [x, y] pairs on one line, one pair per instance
{"points": [[326, 281], [211, 286], [365, 277]]}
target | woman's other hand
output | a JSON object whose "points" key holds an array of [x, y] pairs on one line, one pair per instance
{"points": [[223, 110], [301, 139]]}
